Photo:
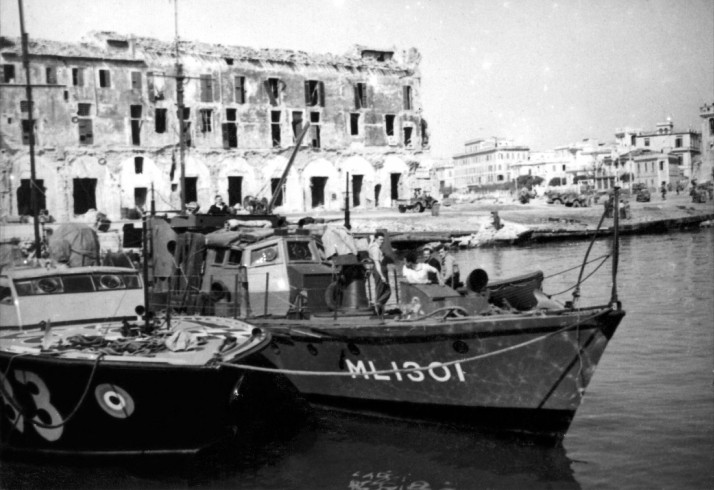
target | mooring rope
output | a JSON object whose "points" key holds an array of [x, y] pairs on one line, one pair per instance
{"points": [[576, 267], [585, 279], [17, 406], [416, 369]]}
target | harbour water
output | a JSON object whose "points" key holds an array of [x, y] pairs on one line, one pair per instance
{"points": [[647, 420]]}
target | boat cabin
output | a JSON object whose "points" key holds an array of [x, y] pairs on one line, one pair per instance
{"points": [[284, 270], [59, 296]]}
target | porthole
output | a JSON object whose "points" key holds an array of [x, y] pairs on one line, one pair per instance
{"points": [[110, 281], [312, 349], [49, 285], [354, 350], [461, 347]]}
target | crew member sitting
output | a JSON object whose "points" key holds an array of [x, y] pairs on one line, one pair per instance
{"points": [[418, 272]]}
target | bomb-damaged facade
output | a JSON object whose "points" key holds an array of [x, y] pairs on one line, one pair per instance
{"points": [[106, 125]]}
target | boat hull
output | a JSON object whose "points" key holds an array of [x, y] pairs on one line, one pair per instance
{"points": [[127, 409], [522, 373]]}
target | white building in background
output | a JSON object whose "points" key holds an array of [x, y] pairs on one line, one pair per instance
{"points": [[706, 170], [442, 174], [485, 163], [685, 144]]}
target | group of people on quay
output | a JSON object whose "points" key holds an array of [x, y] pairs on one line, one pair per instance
{"points": [[432, 269]]}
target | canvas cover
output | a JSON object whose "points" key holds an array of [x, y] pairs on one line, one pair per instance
{"points": [[74, 244]]}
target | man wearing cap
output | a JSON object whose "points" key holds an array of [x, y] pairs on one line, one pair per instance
{"points": [[219, 208], [449, 269], [434, 262]]}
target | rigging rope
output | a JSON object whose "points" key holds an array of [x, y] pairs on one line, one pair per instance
{"points": [[417, 369]]}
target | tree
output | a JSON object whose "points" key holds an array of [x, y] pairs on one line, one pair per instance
{"points": [[627, 177], [528, 181]]}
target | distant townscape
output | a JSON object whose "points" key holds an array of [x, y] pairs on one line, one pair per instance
{"points": [[106, 131]]}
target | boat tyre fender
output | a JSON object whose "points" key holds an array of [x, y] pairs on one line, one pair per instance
{"points": [[477, 280], [218, 292], [331, 296]]}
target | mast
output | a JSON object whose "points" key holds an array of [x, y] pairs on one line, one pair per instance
{"points": [[347, 202], [30, 112], [179, 112], [279, 189]]}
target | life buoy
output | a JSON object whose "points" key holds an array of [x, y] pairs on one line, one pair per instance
{"points": [[114, 400]]}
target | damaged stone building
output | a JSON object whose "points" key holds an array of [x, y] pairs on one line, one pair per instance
{"points": [[105, 122]]}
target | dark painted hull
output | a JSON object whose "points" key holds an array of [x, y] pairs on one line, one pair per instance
{"points": [[128, 408], [529, 375]]}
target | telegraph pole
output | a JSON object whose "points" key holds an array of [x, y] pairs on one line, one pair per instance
{"points": [[180, 110], [30, 112]]}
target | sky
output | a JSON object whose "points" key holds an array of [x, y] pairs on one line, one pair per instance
{"points": [[541, 73]]}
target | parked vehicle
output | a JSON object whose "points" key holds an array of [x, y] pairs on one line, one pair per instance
{"points": [[418, 203], [641, 192], [568, 198]]}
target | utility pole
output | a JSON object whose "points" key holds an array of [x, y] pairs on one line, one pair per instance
{"points": [[30, 113], [180, 111]]}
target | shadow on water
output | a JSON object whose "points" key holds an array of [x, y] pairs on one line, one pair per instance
{"points": [[320, 450]]}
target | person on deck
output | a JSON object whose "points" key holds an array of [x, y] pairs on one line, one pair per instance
{"points": [[418, 272], [382, 291], [449, 269], [433, 262], [219, 208]]}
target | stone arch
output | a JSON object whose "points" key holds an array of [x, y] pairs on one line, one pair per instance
{"points": [[194, 168], [237, 167], [392, 178], [274, 169], [129, 180], [105, 193], [45, 170], [322, 186], [363, 179]]}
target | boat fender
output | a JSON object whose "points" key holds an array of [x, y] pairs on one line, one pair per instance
{"points": [[477, 280], [218, 292], [330, 296]]}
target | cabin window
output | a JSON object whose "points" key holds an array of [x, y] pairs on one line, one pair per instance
{"points": [[235, 257], [220, 255], [78, 284], [299, 250], [5, 295], [264, 255]]}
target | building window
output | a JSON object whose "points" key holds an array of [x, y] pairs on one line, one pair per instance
{"points": [[272, 88], [84, 195], [8, 73], [361, 101], [138, 165], [26, 125], [275, 128], [51, 75], [297, 124], [86, 135], [186, 125], [314, 93], [160, 120], [230, 130], [661, 165], [135, 113], [136, 80], [354, 124], [315, 129], [206, 88], [84, 109], [78, 77], [155, 85], [206, 119], [104, 79], [407, 94], [711, 126], [647, 142], [24, 106], [678, 142], [389, 124], [408, 136], [240, 90]]}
